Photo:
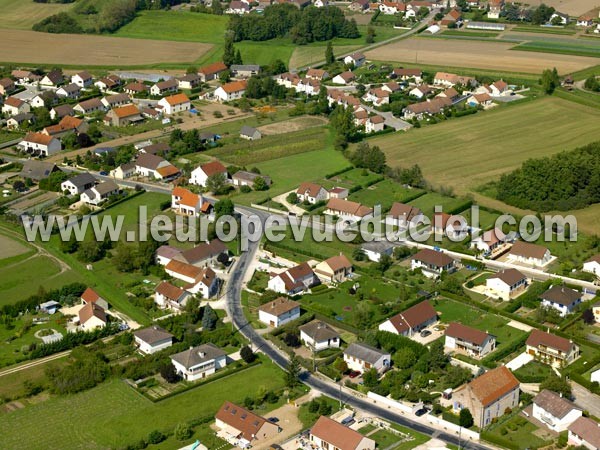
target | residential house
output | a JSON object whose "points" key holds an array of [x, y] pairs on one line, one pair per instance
{"points": [[554, 411], [237, 7], [6, 86], [344, 78], [484, 100], [506, 284], [374, 250], [327, 434], [160, 149], [338, 192], [359, 5], [390, 8], [451, 79], [175, 104], [318, 335], [488, 396], [489, 240], [244, 425], [592, 265], [374, 123], [421, 91], [495, 8], [153, 166], [89, 106], [204, 254], [357, 59], [294, 280], [450, 93], [584, 432], [469, 341], [13, 106], [60, 111], [279, 312], [19, 120], [231, 91], [164, 87], [587, 19], [551, 349], [189, 81], [596, 312], [243, 178], [183, 271], [39, 144], [499, 88], [136, 88], [199, 362], [100, 192], [403, 216], [115, 100], [78, 183], [123, 116], [82, 79], [165, 253], [429, 108], [361, 357], [44, 99], [560, 18], [108, 83], [346, 209], [531, 254], [201, 174], [244, 70], [124, 171], [432, 263], [91, 317], [408, 74], [152, 339], [24, 76], [91, 296], [70, 91], [168, 296], [392, 87], [67, 125], [377, 96], [38, 170], [250, 133], [335, 269], [311, 193], [185, 202], [317, 74], [412, 320], [212, 71], [53, 78], [453, 18], [562, 299]]}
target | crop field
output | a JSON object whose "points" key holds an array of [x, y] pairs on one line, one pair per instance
{"points": [[571, 7], [543, 30], [22, 14], [125, 416], [566, 46], [21, 46], [488, 55]]}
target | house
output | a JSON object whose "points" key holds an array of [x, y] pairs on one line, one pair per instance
{"points": [[489, 240], [561, 298], [19, 120], [453, 18], [495, 8], [44, 99], [40, 144], [584, 432], [52, 78], [60, 111], [377, 96], [91, 296], [279, 312], [6, 86], [318, 335], [204, 254], [38, 170], [168, 296], [231, 91], [136, 88], [374, 123], [189, 81], [483, 99], [294, 280], [592, 265], [488, 396], [250, 133], [527, 253], [506, 284], [238, 7], [317, 74], [343, 78], [201, 174], [67, 125], [243, 178], [78, 183], [185, 202], [108, 83], [89, 106], [450, 93], [175, 104], [446, 224], [164, 87], [212, 71], [82, 79], [49, 307], [411, 321], [361, 357], [469, 341], [70, 91], [160, 149], [112, 101], [421, 91], [100, 192], [153, 166], [408, 74], [359, 5], [244, 70], [244, 425], [391, 87], [357, 59], [198, 362], [499, 88], [428, 108], [374, 250], [328, 434], [24, 76], [587, 19], [165, 253], [554, 411], [152, 339], [13, 106], [346, 209], [123, 116], [551, 349], [335, 269], [558, 17], [402, 215], [451, 79], [124, 171], [432, 263], [596, 312], [183, 271], [311, 193], [338, 192], [390, 8], [91, 317]]}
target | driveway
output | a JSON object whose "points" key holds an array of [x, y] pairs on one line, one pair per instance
{"points": [[519, 361], [585, 399], [292, 208]]}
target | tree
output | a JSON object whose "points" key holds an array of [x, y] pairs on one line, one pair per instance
{"points": [[329, 56], [260, 184], [292, 372], [124, 258], [592, 84], [370, 37], [18, 186], [370, 378], [247, 354], [229, 50], [224, 207], [90, 251], [384, 263], [292, 198], [183, 432], [358, 254], [549, 80], [465, 418], [588, 316], [209, 318], [340, 365], [216, 8], [405, 358], [238, 57], [69, 246], [556, 384], [217, 183], [368, 157], [168, 372]]}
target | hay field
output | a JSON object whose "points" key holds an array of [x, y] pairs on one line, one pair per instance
{"points": [[22, 14], [9, 247], [477, 55], [21, 46]]}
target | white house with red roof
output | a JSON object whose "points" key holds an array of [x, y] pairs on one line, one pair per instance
{"points": [[411, 321], [327, 434], [347, 209], [432, 263], [294, 280], [13, 106], [91, 317], [470, 341], [506, 284], [40, 143], [231, 91], [550, 349], [91, 296], [174, 104], [592, 265], [279, 312], [202, 173], [167, 295], [499, 88], [489, 240], [311, 193], [185, 202], [243, 426]]}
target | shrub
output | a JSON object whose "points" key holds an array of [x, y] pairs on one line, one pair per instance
{"points": [[156, 437], [183, 432]]}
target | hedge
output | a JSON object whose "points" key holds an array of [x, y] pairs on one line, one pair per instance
{"points": [[339, 172]]}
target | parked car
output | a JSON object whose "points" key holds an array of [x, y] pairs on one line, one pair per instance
{"points": [[353, 374], [425, 333]]}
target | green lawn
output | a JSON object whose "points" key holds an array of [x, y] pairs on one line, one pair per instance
{"points": [[416, 438], [385, 193], [428, 202], [544, 30], [122, 416], [533, 369], [519, 432], [350, 178]]}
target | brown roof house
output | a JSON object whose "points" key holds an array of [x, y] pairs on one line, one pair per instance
{"points": [[327, 434], [152, 339], [244, 425], [200, 280], [412, 320], [201, 173], [489, 240], [475, 343], [585, 432], [39, 144], [506, 284], [432, 263], [279, 312], [530, 254], [153, 166], [402, 215], [211, 71], [168, 296], [550, 349], [123, 115], [318, 335], [346, 209], [91, 296], [561, 298], [99, 193], [335, 269], [554, 411], [199, 362], [91, 317], [488, 396], [164, 87], [311, 193], [174, 104], [361, 357], [186, 202], [204, 254], [294, 280]]}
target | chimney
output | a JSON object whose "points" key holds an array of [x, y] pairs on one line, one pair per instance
{"points": [[202, 354]]}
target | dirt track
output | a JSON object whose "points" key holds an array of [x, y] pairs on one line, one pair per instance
{"points": [[44, 48], [476, 54]]}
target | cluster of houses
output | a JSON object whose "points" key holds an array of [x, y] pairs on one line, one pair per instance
{"points": [[90, 190]]}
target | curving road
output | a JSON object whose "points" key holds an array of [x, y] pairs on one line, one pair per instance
{"points": [[329, 388]]}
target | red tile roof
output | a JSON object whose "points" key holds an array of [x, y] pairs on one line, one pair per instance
{"points": [[90, 296], [246, 422], [472, 335], [537, 338], [336, 434], [492, 385], [413, 317]]}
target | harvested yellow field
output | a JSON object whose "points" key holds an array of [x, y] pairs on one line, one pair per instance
{"points": [[21, 46], [22, 14], [571, 7], [477, 55]]}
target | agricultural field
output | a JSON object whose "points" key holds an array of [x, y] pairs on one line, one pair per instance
{"points": [[487, 55], [562, 46], [23, 14]]}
